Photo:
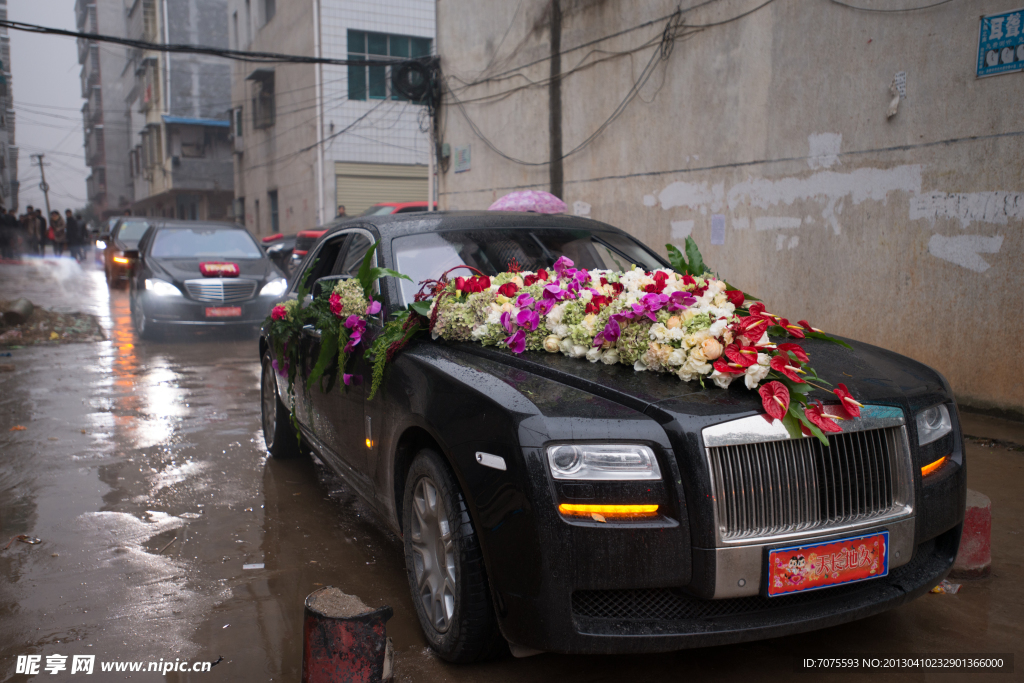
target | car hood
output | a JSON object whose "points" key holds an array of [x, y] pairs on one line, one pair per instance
{"points": [[872, 374], [179, 270]]}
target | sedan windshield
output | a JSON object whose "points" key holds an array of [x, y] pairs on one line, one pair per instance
{"points": [[378, 210], [132, 231], [428, 255], [199, 243]]}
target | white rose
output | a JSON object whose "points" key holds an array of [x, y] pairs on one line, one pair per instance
{"points": [[610, 357], [718, 327], [579, 350], [639, 366], [586, 295], [551, 343], [658, 332], [722, 379], [677, 357], [594, 354], [555, 315], [479, 332], [561, 330], [697, 355], [754, 374], [566, 346]]}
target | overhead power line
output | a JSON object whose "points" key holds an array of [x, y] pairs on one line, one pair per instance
{"points": [[891, 11], [237, 55]]}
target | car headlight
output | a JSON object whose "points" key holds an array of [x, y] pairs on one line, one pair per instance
{"points": [[161, 288], [611, 462], [932, 424], [274, 287], [100, 244]]}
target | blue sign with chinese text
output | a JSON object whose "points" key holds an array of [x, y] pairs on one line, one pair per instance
{"points": [[1001, 44]]}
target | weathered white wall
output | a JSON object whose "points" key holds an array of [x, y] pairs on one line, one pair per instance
{"points": [[905, 232]]}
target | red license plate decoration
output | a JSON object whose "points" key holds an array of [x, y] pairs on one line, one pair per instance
{"points": [[219, 269], [820, 565], [223, 311]]}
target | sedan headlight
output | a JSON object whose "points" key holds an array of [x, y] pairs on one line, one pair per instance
{"points": [[933, 424], [100, 244], [161, 288], [275, 287], [611, 462]]}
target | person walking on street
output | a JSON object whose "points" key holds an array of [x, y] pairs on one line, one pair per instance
{"points": [[74, 233], [341, 211], [6, 236], [44, 231], [30, 226], [58, 233]]}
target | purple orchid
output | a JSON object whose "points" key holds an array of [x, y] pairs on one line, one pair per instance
{"points": [[373, 308], [517, 342], [282, 371], [506, 321], [562, 265], [525, 301], [528, 319], [352, 380]]}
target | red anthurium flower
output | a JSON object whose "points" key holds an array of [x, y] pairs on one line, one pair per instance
{"points": [[782, 363], [728, 368], [807, 326], [735, 297], [741, 355], [847, 402], [508, 289], [794, 330], [754, 329], [756, 310], [796, 350], [815, 413], [775, 397]]}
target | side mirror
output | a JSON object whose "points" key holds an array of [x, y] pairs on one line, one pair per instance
{"points": [[131, 254], [327, 283]]}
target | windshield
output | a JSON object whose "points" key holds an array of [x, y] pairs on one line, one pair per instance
{"points": [[426, 256], [199, 243], [377, 210], [132, 231]]}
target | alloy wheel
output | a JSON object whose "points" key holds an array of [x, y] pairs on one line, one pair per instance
{"points": [[433, 554]]}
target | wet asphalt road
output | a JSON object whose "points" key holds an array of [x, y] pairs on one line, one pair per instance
{"points": [[142, 469]]}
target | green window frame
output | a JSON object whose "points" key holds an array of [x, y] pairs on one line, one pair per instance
{"points": [[373, 82]]}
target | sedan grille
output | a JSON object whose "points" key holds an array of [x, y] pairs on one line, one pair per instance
{"points": [[220, 289], [774, 488]]}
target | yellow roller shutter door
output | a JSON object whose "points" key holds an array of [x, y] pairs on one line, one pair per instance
{"points": [[360, 186]]}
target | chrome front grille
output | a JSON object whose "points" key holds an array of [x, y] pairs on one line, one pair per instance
{"points": [[768, 487], [221, 289]]}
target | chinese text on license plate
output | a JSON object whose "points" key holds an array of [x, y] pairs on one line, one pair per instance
{"points": [[820, 565], [223, 311]]}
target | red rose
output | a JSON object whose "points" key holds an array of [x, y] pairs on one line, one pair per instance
{"points": [[508, 289], [279, 313]]}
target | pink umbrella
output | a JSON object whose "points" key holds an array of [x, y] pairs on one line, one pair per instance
{"points": [[529, 200]]}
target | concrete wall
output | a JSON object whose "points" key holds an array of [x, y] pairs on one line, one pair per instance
{"points": [[904, 232], [199, 83], [270, 159]]}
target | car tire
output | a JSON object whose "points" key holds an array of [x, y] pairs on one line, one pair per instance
{"points": [[278, 433], [143, 326], [445, 565]]}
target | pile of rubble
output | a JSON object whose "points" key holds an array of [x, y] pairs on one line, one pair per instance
{"points": [[23, 324]]}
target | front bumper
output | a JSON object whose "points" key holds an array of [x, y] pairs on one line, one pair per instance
{"points": [[594, 588], [187, 312]]}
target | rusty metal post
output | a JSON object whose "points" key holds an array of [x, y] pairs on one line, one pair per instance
{"points": [[343, 640]]}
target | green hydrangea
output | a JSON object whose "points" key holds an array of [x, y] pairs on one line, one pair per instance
{"points": [[352, 300]]}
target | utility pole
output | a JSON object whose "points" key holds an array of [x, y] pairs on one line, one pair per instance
{"points": [[43, 186]]}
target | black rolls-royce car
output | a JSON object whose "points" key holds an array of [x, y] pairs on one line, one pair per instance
{"points": [[477, 457], [200, 274]]}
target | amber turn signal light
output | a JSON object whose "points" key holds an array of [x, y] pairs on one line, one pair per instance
{"points": [[120, 259], [608, 510], [931, 467]]}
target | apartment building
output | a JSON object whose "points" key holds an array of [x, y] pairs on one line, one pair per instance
{"points": [[8, 149], [178, 106], [310, 138], [104, 117]]}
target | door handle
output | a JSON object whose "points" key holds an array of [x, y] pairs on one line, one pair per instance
{"points": [[311, 331]]}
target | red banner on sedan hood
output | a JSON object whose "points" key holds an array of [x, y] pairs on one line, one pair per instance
{"points": [[218, 269]]}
